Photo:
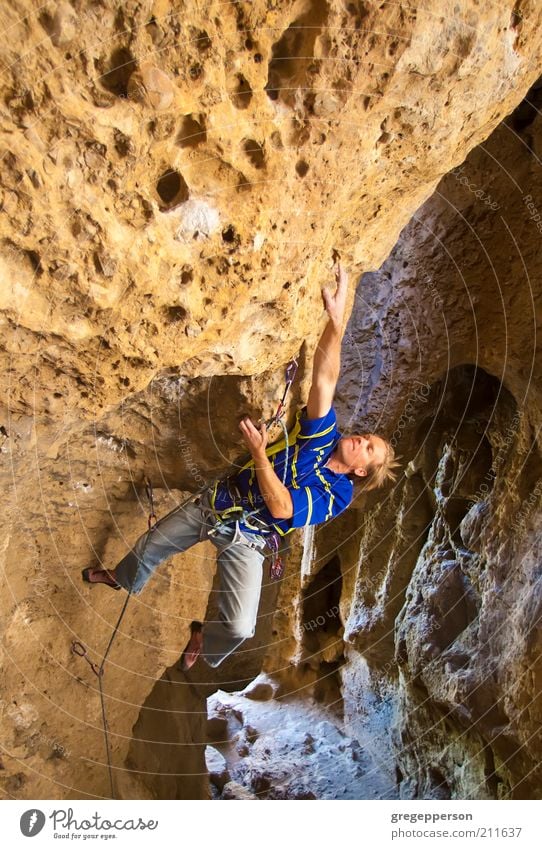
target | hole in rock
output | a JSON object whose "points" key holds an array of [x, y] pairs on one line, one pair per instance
{"points": [[175, 314], [276, 140], [202, 41], [191, 132], [35, 261], [229, 235], [440, 788], [526, 112], [123, 145], [196, 71], [255, 153], [293, 53], [153, 28], [359, 11], [121, 66], [466, 399], [172, 189], [242, 93], [187, 275], [301, 167], [515, 18]]}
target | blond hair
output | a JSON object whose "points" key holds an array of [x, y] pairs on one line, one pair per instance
{"points": [[378, 474]]}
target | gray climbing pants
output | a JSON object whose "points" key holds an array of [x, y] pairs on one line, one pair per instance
{"points": [[240, 560]]}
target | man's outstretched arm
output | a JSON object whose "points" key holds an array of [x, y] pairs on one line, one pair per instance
{"points": [[327, 359]]}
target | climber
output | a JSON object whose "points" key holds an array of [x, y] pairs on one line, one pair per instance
{"points": [[321, 467]]}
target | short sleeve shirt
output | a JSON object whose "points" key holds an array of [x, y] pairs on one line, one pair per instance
{"points": [[318, 494]]}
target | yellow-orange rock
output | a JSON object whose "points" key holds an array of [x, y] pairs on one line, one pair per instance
{"points": [[161, 260]]}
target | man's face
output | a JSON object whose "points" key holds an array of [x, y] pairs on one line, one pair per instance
{"points": [[360, 452]]}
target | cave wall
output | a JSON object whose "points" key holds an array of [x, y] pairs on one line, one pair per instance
{"points": [[173, 184], [441, 601]]}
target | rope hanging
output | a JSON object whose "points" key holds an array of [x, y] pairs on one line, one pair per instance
{"points": [[79, 649]]}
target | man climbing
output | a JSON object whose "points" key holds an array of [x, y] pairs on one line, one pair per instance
{"points": [[243, 513]]}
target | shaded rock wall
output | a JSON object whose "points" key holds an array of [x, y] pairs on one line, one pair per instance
{"points": [[441, 598], [171, 190]]}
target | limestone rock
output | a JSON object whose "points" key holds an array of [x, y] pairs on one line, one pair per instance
{"points": [[217, 728], [65, 24], [300, 147], [261, 689], [160, 263], [151, 86], [216, 766], [234, 790]]}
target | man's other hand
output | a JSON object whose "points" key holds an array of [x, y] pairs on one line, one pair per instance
{"points": [[335, 301], [254, 439]]}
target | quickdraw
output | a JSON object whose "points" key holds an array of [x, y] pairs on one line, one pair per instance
{"points": [[80, 650], [276, 570], [152, 520], [291, 371]]}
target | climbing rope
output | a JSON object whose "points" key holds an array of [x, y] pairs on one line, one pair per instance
{"points": [[276, 567], [79, 649]]}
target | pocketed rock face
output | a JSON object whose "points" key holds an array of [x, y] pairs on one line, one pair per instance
{"points": [[173, 184], [171, 188]]}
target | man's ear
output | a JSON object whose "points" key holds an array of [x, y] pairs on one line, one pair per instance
{"points": [[360, 472]]}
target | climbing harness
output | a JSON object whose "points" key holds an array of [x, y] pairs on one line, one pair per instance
{"points": [[276, 569]]}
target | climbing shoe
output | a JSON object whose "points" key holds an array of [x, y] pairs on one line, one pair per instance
{"points": [[193, 648], [99, 576]]}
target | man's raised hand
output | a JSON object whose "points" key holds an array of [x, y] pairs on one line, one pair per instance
{"points": [[335, 301], [254, 439]]}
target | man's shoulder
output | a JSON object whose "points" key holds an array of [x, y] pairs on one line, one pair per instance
{"points": [[317, 427], [338, 483], [330, 493]]}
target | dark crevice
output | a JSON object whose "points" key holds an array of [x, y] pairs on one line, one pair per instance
{"points": [[293, 53], [255, 153], [242, 93], [191, 132], [121, 66], [321, 616], [526, 112], [172, 189]]}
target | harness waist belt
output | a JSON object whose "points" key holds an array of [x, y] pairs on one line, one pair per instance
{"points": [[237, 512]]}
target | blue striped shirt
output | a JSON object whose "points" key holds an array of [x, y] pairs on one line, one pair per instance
{"points": [[318, 494]]}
